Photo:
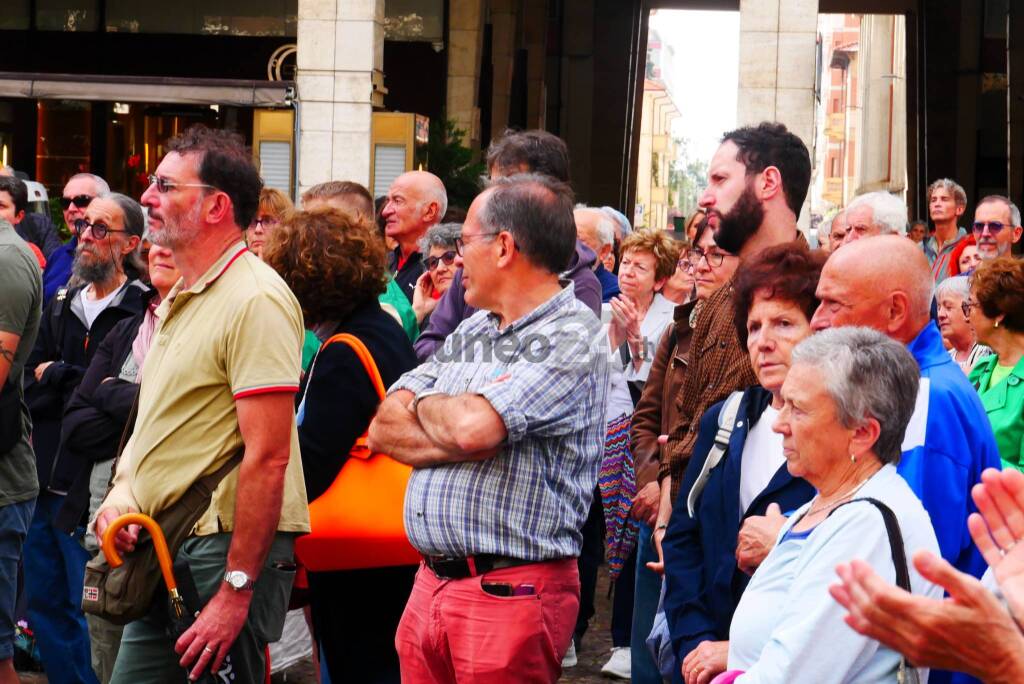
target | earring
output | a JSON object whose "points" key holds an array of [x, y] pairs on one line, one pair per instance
{"points": [[996, 325], [853, 458]]}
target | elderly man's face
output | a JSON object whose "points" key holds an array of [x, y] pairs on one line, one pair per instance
{"points": [[405, 210], [848, 299], [478, 268], [837, 233], [860, 224], [586, 231], [813, 439], [98, 258], [82, 190], [993, 242]]}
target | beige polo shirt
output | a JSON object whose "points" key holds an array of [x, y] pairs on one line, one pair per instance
{"points": [[235, 333]]}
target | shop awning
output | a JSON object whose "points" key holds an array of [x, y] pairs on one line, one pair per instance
{"points": [[237, 92]]}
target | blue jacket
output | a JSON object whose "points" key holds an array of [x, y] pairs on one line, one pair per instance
{"points": [[58, 269], [609, 283], [703, 584], [946, 446]]}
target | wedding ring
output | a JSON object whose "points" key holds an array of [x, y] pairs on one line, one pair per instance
{"points": [[207, 649]]}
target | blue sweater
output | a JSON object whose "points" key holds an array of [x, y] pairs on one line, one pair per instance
{"points": [[946, 446], [58, 269], [703, 584]]}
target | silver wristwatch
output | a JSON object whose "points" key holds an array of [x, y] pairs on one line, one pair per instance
{"points": [[238, 580]]}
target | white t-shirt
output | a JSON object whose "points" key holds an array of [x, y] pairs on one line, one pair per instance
{"points": [[92, 307], [762, 456]]}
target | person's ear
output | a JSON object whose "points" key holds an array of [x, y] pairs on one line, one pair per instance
{"points": [[130, 244], [20, 216], [1017, 230], [770, 182], [505, 247], [659, 284], [960, 209], [864, 438], [221, 209], [899, 310], [603, 253]]}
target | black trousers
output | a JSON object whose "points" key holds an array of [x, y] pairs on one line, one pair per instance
{"points": [[589, 563]]}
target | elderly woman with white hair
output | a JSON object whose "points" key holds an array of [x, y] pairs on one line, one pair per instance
{"points": [[847, 399], [957, 331], [875, 213]]}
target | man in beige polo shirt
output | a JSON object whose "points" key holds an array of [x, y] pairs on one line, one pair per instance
{"points": [[219, 377]]}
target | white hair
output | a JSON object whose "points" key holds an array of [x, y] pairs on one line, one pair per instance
{"points": [[955, 286], [888, 211], [101, 185], [605, 225]]}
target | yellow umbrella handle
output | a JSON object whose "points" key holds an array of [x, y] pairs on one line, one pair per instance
{"points": [[163, 555]]}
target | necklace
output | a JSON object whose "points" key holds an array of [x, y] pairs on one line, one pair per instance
{"points": [[838, 501]]}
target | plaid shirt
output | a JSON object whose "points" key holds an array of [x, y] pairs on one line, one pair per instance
{"points": [[547, 377]]}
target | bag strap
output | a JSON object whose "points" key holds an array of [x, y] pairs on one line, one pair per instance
{"points": [[726, 421], [364, 356], [906, 674]]}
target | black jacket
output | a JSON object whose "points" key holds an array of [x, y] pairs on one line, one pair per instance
{"points": [[337, 399], [40, 231], [65, 340], [96, 416], [408, 272]]}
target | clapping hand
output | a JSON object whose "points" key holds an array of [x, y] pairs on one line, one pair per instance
{"points": [[998, 529]]}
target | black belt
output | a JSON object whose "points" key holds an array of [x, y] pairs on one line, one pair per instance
{"points": [[472, 566]]}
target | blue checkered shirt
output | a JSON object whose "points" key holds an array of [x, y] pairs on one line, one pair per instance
{"points": [[546, 375]]}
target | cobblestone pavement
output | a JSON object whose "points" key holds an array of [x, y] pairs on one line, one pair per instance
{"points": [[596, 648]]}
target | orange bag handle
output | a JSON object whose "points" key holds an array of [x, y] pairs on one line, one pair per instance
{"points": [[163, 555], [365, 357]]}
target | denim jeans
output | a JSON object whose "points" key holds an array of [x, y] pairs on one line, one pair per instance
{"points": [[54, 569], [14, 522], [645, 605]]}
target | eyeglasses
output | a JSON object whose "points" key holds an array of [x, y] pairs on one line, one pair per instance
{"points": [[99, 230], [460, 242], [448, 258], [80, 201], [966, 307], [714, 259], [994, 227], [163, 185], [264, 222]]}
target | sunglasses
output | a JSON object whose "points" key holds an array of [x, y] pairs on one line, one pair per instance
{"points": [[993, 227], [448, 258], [80, 201], [99, 230]]}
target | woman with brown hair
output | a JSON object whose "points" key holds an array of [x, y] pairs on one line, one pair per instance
{"points": [[273, 208], [334, 263]]}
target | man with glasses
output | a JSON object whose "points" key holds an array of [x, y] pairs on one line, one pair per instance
{"points": [[219, 383], [996, 226], [504, 428], [78, 193], [74, 324], [595, 229]]}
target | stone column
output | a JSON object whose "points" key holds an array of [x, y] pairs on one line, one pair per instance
{"points": [[340, 79], [777, 53], [465, 36], [503, 47]]}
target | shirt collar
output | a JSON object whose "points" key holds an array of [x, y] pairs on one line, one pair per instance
{"points": [[559, 300], [927, 347], [208, 278]]}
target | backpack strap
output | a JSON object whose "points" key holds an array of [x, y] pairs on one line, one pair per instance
{"points": [[726, 422]]}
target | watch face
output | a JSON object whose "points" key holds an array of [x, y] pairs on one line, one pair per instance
{"points": [[237, 579]]}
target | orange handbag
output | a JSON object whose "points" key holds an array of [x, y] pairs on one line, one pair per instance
{"points": [[357, 523]]}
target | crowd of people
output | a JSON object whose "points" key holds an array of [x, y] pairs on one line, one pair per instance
{"points": [[797, 464]]}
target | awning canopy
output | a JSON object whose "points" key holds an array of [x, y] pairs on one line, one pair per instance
{"points": [[201, 91]]}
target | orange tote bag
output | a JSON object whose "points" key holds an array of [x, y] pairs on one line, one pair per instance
{"points": [[357, 523]]}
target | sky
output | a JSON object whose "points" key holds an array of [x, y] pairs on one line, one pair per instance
{"points": [[704, 74]]}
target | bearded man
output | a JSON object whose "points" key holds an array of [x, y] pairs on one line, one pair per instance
{"points": [[74, 323]]}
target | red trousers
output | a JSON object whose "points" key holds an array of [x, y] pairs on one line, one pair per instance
{"points": [[453, 632]]}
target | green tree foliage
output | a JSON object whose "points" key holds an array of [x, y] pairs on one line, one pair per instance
{"points": [[452, 162]]}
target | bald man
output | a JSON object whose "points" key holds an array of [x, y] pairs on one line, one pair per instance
{"points": [[415, 201], [885, 283], [596, 230]]}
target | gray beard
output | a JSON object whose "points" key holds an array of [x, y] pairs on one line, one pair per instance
{"points": [[96, 272]]}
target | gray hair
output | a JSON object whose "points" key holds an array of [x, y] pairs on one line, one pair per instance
{"points": [[955, 286], [134, 219], [442, 235], [867, 375], [101, 185], [620, 220], [888, 211], [950, 186], [1014, 211], [605, 226]]}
